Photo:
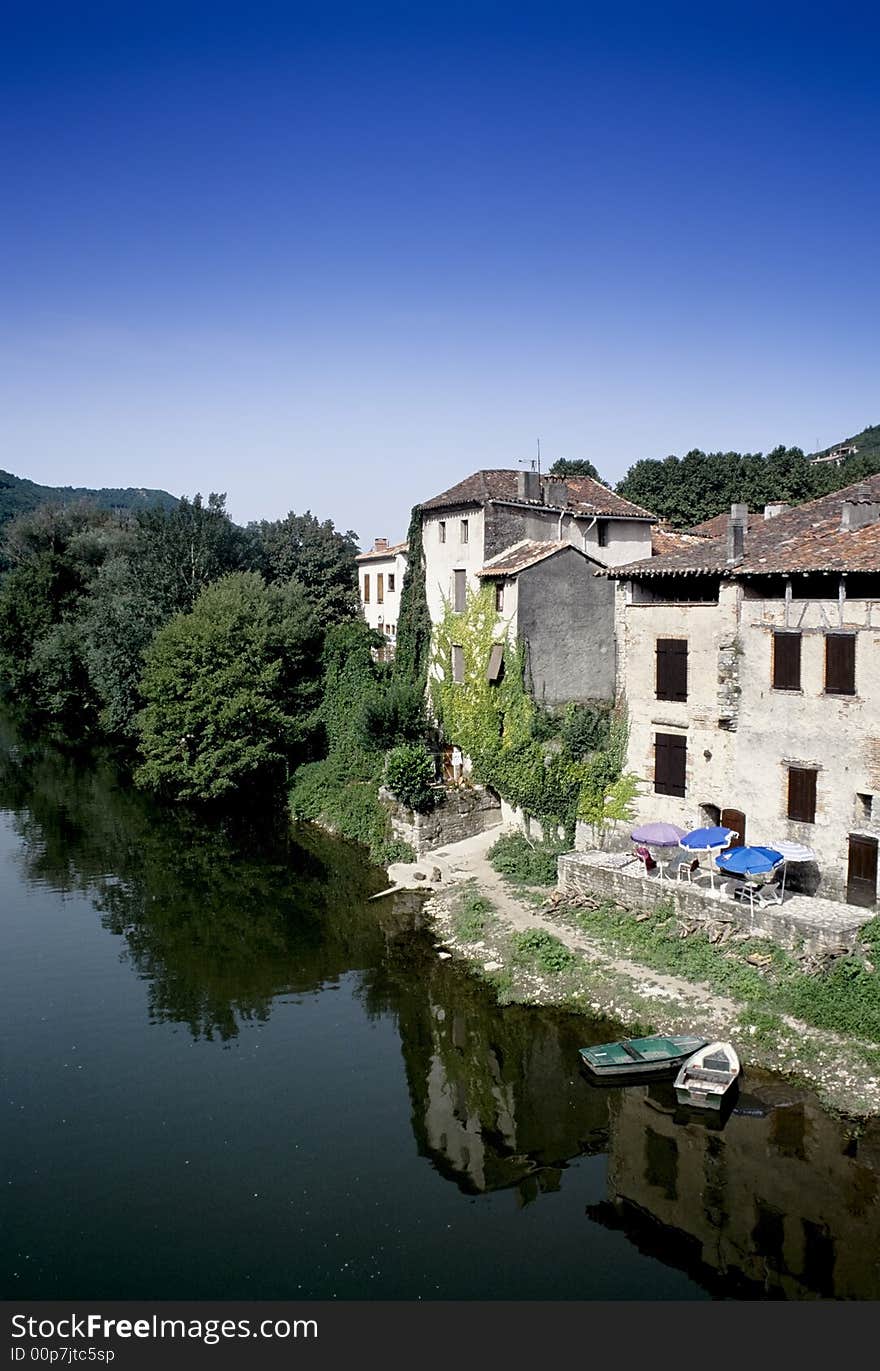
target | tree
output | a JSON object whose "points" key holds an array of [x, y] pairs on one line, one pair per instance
{"points": [[578, 466], [413, 650], [230, 690], [179, 551], [321, 559]]}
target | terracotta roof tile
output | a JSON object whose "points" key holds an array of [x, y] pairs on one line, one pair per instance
{"points": [[806, 538], [524, 554], [717, 526], [666, 540], [585, 496], [382, 553]]}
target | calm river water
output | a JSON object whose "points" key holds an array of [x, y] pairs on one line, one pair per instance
{"points": [[226, 1074]]}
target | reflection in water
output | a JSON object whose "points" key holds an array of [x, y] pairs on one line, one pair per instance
{"points": [[223, 921]]}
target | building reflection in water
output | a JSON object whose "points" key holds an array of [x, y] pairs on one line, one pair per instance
{"points": [[779, 1200]]}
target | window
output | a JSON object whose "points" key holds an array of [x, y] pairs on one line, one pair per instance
{"points": [[457, 663], [672, 669], [460, 591], [670, 758], [464, 530], [441, 530], [602, 533], [390, 582], [380, 588], [499, 596], [802, 794], [840, 664], [786, 661], [366, 590]]}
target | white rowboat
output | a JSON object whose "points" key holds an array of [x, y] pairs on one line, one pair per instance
{"points": [[707, 1076]]}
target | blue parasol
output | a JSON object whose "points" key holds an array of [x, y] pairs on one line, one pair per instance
{"points": [[707, 839], [748, 861]]}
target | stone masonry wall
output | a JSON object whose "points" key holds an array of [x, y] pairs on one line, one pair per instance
{"points": [[817, 923], [461, 812]]}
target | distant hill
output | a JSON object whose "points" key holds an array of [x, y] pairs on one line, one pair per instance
{"points": [[18, 495], [867, 444]]}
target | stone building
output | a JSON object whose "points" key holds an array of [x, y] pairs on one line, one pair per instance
{"points": [[538, 540], [380, 578], [751, 668]]}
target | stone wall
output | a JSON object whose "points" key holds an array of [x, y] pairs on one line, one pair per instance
{"points": [[818, 924], [461, 812]]}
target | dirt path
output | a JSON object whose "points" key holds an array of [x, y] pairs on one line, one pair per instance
{"points": [[624, 990]]}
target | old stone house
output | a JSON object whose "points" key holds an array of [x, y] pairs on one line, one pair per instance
{"points": [[750, 664], [380, 578], [537, 540]]}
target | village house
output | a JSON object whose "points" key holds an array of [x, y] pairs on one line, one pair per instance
{"points": [[750, 664], [537, 540], [380, 579]]}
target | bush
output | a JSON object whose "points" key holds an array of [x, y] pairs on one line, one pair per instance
{"points": [[585, 729], [524, 862], [393, 716], [547, 952], [409, 772]]}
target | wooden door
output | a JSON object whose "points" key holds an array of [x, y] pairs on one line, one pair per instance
{"points": [[861, 876], [735, 819]]}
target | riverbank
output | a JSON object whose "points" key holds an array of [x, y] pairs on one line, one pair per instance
{"points": [[532, 947]]}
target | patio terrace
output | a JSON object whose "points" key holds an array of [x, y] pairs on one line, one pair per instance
{"points": [[800, 920]]}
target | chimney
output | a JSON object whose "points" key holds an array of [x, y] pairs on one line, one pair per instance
{"points": [[528, 486], [861, 508], [556, 493], [737, 524], [380, 544], [771, 511]]}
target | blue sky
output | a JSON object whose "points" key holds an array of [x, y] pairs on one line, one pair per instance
{"points": [[337, 256]]}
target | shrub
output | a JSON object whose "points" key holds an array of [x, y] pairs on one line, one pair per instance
{"points": [[409, 772], [471, 917], [525, 862], [393, 716], [547, 952], [585, 729]]}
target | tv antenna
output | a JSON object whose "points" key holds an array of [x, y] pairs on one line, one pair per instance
{"points": [[533, 462]]}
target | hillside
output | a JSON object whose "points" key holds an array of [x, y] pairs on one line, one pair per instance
{"points": [[17, 495], [867, 442]]}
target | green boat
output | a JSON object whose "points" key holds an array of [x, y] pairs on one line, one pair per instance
{"points": [[633, 1057]]}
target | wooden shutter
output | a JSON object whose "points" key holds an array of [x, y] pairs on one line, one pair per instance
{"points": [[457, 663], [786, 661], [670, 761], [460, 591], [366, 589], [802, 794], [496, 662], [672, 669], [840, 664], [380, 588]]}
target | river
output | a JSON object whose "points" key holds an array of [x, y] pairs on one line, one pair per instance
{"points": [[228, 1074]]}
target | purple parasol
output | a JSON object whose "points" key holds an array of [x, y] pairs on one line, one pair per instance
{"points": [[658, 835]]}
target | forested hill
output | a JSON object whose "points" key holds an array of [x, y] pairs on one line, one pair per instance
{"points": [[686, 490], [18, 495]]}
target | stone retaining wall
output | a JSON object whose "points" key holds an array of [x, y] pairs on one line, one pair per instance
{"points": [[802, 920], [461, 812]]}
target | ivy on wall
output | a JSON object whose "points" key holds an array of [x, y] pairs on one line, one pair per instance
{"points": [[533, 759]]}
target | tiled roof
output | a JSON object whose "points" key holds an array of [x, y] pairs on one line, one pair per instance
{"points": [[806, 538], [585, 496], [717, 526], [666, 540], [526, 553], [383, 553]]}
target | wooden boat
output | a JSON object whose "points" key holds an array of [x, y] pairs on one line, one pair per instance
{"points": [[707, 1076], [637, 1057]]}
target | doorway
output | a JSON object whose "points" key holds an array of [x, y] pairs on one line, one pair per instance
{"points": [[861, 875], [735, 819]]}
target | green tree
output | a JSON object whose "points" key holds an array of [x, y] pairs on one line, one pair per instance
{"points": [[179, 551], [317, 555], [230, 690], [413, 650], [578, 466]]}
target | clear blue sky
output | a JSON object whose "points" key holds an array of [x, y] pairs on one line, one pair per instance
{"points": [[338, 256]]}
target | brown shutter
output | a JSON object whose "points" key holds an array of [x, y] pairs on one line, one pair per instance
{"points": [[460, 591], [672, 668], [496, 659], [670, 761], [802, 794], [840, 664], [786, 661]]}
